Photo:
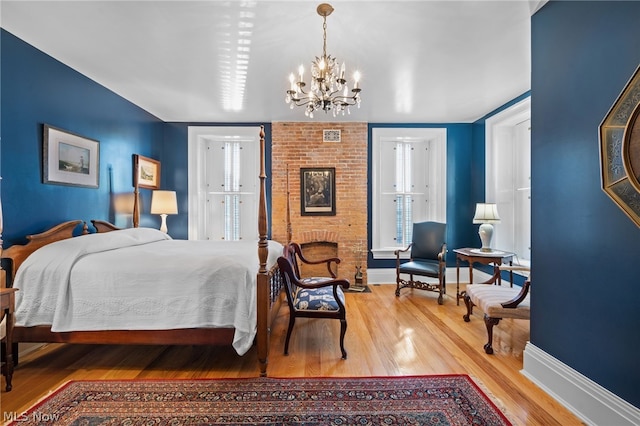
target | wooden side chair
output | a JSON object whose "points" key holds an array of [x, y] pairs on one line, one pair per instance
{"points": [[428, 250], [8, 349], [314, 297]]}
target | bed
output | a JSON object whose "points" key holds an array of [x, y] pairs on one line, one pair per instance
{"points": [[238, 309]]}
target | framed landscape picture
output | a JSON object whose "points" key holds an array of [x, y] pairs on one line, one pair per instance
{"points": [[318, 191], [70, 159], [146, 172]]}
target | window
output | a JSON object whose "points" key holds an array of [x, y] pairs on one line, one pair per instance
{"points": [[231, 194], [508, 178], [223, 183], [409, 184]]}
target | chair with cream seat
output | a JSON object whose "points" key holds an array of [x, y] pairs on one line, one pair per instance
{"points": [[497, 302]]}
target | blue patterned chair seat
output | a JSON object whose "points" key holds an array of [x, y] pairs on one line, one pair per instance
{"points": [[317, 299]]}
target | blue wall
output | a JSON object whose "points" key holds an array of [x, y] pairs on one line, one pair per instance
{"points": [[37, 90], [584, 248]]}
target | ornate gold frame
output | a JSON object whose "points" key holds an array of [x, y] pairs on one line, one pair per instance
{"points": [[620, 150]]}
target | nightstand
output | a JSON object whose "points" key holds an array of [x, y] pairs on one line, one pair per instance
{"points": [[7, 305]]}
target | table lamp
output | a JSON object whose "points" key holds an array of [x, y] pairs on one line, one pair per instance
{"points": [[486, 215], [164, 203]]}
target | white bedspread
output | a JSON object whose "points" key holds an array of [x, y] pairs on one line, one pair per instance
{"points": [[141, 279]]}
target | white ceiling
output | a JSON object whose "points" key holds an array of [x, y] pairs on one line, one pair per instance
{"points": [[421, 61]]}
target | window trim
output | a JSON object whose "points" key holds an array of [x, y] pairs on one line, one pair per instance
{"points": [[438, 138], [197, 136], [494, 129]]}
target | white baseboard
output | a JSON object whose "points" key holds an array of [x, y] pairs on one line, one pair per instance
{"points": [[589, 401], [381, 276]]}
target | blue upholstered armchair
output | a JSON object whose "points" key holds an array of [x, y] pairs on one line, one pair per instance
{"points": [[428, 250]]}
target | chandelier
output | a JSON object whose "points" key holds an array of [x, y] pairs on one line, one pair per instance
{"points": [[329, 90]]}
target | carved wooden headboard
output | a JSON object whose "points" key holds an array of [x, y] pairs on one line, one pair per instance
{"points": [[19, 252]]}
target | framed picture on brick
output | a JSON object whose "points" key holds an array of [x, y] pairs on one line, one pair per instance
{"points": [[318, 191]]}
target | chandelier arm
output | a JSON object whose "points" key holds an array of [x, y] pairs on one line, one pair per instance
{"points": [[300, 90], [356, 94], [345, 100], [303, 101], [298, 103]]}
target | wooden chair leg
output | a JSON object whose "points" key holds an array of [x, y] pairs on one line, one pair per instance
{"points": [[343, 331], [292, 321], [490, 322], [14, 351], [469, 303], [7, 367], [397, 282]]}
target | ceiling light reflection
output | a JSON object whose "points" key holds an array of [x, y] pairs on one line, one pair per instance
{"points": [[404, 92], [233, 71], [405, 351]]}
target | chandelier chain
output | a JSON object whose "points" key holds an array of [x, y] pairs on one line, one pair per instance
{"points": [[324, 38]]}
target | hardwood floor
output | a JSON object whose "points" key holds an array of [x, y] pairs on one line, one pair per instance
{"points": [[386, 336]]}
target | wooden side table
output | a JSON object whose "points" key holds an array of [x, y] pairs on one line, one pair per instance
{"points": [[474, 255], [7, 305]]}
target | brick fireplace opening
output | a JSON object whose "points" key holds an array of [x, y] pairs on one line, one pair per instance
{"points": [[320, 244]]}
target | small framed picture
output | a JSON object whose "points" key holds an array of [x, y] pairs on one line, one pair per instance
{"points": [[70, 159], [146, 172], [318, 191]]}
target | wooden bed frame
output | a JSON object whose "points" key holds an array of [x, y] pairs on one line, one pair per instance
{"points": [[268, 293]]}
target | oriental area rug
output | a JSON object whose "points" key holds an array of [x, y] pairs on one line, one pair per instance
{"points": [[415, 400]]}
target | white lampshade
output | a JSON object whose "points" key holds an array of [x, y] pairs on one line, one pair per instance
{"points": [[486, 213], [164, 202]]}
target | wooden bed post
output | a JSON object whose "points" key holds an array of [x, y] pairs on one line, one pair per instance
{"points": [[289, 228], [263, 287], [136, 193]]}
